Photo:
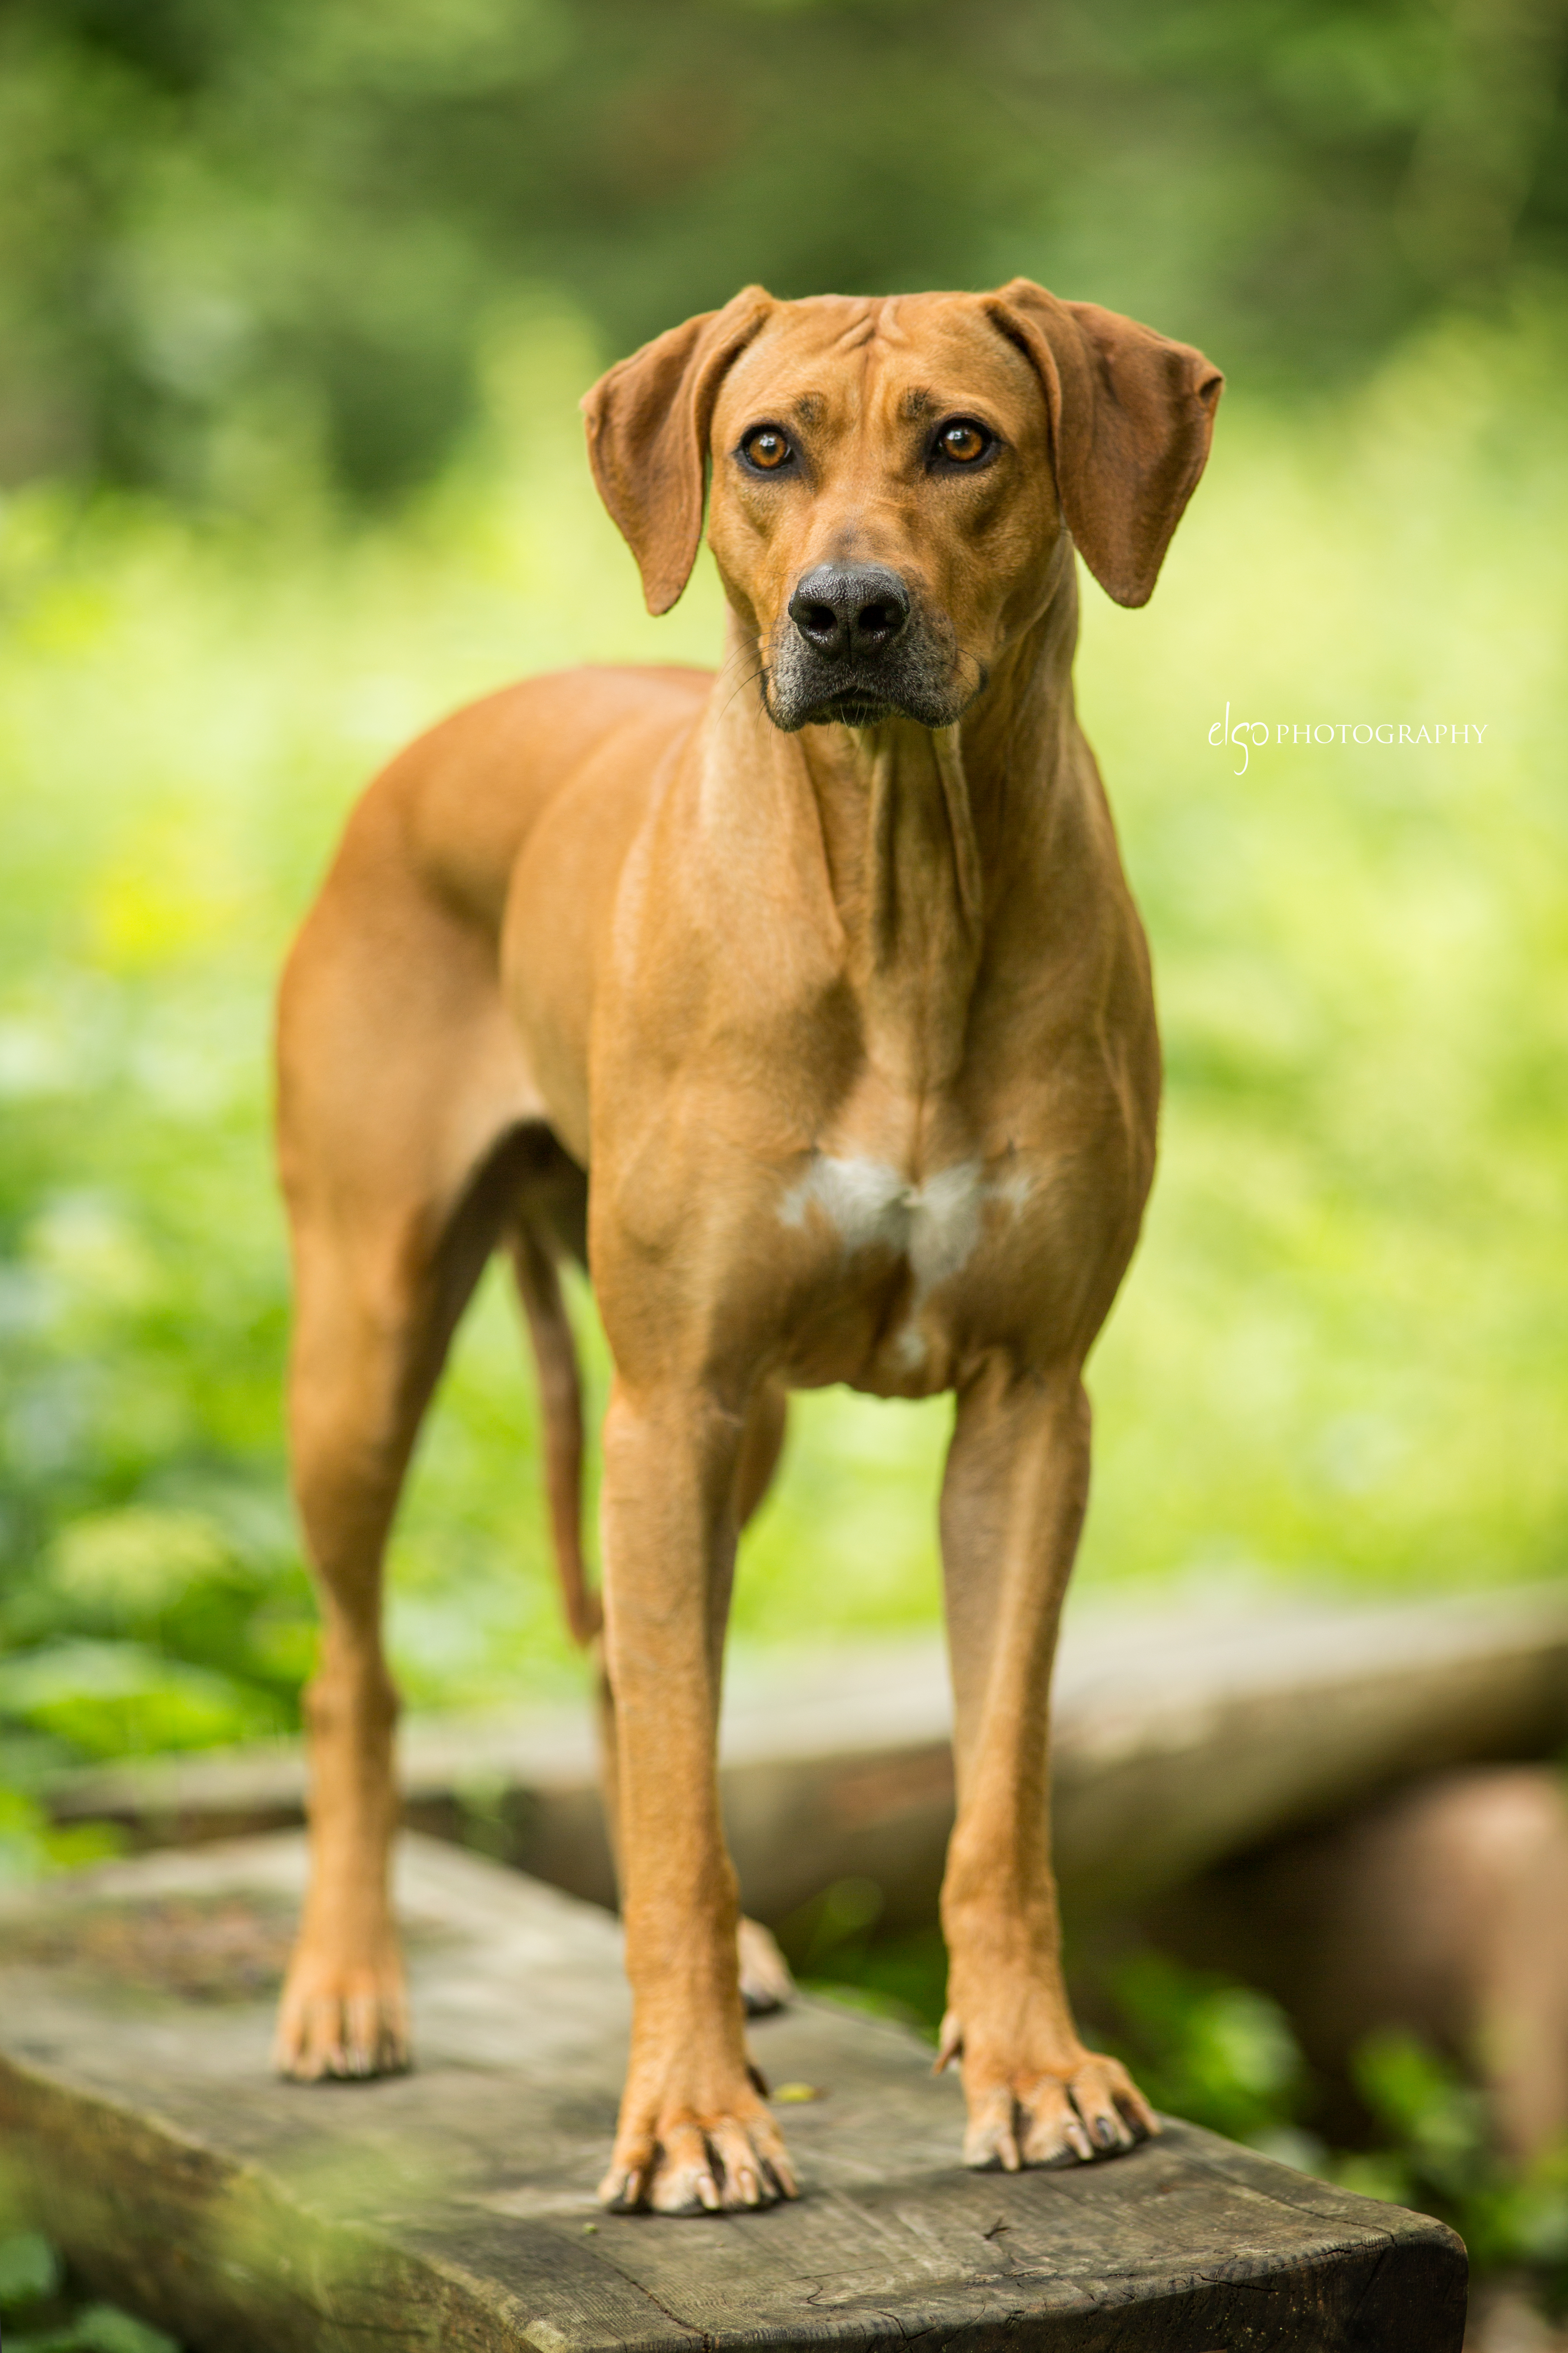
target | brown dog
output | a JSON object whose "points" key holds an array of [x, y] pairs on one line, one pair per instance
{"points": [[826, 968]]}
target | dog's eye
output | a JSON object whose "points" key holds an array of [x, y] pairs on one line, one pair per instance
{"points": [[766, 448], [963, 441]]}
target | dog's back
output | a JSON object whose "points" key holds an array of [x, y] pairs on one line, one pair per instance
{"points": [[452, 811]]}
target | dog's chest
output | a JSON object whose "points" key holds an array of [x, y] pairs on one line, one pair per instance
{"points": [[889, 1245], [935, 1224]]}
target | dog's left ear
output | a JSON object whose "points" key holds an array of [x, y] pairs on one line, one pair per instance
{"points": [[1132, 417], [648, 421]]}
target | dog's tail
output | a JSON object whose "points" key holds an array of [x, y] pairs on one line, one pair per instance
{"points": [[561, 1413]]}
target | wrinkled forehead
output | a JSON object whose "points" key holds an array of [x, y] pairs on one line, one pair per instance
{"points": [[839, 361]]}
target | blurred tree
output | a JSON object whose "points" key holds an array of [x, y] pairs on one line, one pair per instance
{"points": [[225, 223]]}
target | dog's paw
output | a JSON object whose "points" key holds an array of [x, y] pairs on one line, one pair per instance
{"points": [[339, 2021], [682, 2163], [765, 1981], [1065, 2115]]}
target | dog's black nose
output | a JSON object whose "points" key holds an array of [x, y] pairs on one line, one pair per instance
{"points": [[849, 609]]}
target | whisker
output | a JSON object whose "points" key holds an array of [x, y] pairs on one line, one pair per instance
{"points": [[749, 681]]}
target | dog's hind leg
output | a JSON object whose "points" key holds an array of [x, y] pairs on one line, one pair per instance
{"points": [[561, 1418], [400, 1147], [762, 1443], [765, 1980]]}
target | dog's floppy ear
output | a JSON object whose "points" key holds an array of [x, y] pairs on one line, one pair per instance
{"points": [[1131, 416], [648, 421]]}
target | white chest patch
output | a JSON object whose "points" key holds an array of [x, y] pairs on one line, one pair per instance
{"points": [[935, 1226]]}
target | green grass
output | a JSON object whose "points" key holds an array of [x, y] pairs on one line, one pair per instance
{"points": [[1339, 1355]]}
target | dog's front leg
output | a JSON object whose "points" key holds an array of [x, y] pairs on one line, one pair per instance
{"points": [[694, 2133], [1012, 1505]]}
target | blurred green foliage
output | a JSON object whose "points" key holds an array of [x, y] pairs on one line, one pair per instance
{"points": [[44, 2312], [1224, 2056], [260, 257], [296, 302], [1339, 1353], [1220, 2054], [1435, 2154], [226, 222], [835, 1945]]}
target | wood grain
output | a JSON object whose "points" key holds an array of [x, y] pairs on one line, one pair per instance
{"points": [[454, 2207]]}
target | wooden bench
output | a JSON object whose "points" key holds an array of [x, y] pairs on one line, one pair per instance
{"points": [[454, 2208]]}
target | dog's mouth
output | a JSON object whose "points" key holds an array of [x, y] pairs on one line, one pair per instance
{"points": [[849, 709], [921, 680]]}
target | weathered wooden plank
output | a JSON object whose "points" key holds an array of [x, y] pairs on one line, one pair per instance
{"points": [[455, 2206], [1179, 1740]]}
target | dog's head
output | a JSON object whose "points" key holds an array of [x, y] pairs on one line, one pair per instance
{"points": [[891, 479]]}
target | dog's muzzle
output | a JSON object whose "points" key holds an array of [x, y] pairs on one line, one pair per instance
{"points": [[855, 649]]}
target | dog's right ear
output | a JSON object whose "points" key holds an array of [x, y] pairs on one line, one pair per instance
{"points": [[648, 421]]}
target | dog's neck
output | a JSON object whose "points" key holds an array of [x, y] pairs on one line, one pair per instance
{"points": [[916, 830]]}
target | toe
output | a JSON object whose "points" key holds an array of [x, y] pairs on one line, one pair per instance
{"points": [[361, 2037], [301, 2049], [1131, 2103], [1112, 2104], [1095, 2100], [990, 2140], [622, 2188], [768, 2142], [685, 2182], [321, 2052], [385, 2035], [625, 2187], [286, 2045], [1055, 2134], [330, 2043], [741, 2177], [291, 2054]]}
